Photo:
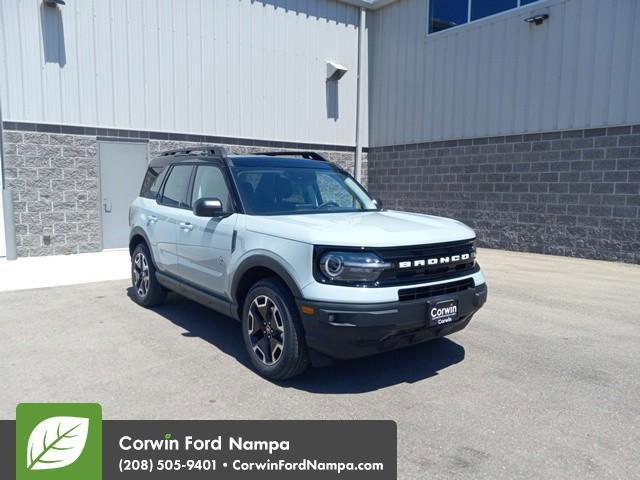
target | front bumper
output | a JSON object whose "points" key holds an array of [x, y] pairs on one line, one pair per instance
{"points": [[345, 330]]}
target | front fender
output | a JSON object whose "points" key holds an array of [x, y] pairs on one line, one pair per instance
{"points": [[266, 261]]}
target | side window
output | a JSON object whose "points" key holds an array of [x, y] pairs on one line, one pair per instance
{"points": [[210, 182], [175, 188], [152, 181]]}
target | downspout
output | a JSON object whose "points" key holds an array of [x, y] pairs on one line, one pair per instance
{"points": [[7, 203], [358, 160]]}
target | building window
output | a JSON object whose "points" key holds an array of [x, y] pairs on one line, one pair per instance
{"points": [[444, 14]]}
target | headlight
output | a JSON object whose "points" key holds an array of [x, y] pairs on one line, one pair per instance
{"points": [[351, 267]]}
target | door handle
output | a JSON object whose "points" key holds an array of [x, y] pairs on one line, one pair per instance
{"points": [[186, 226], [107, 205]]}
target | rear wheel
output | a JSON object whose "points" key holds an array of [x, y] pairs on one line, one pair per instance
{"points": [[146, 289], [272, 331]]}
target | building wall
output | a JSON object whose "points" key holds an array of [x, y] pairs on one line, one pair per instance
{"points": [[252, 69], [575, 192], [249, 74], [500, 75], [527, 133], [54, 179]]}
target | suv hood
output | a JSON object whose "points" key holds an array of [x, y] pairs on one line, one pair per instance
{"points": [[362, 229]]}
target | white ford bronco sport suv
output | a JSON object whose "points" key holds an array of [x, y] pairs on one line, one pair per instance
{"points": [[294, 248]]}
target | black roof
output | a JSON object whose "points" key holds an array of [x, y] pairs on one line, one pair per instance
{"points": [[269, 161], [163, 161], [211, 153]]}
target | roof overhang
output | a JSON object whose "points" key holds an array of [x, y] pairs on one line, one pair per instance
{"points": [[371, 4]]}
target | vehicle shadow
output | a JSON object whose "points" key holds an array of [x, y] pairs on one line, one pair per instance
{"points": [[408, 365], [199, 321]]}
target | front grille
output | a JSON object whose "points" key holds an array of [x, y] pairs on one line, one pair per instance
{"points": [[419, 272], [406, 294]]}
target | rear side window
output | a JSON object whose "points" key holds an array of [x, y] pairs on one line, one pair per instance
{"points": [[152, 181], [174, 193]]}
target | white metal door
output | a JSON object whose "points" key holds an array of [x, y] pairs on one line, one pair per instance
{"points": [[122, 168]]}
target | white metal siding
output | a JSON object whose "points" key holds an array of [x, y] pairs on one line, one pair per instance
{"points": [[500, 75], [240, 68]]}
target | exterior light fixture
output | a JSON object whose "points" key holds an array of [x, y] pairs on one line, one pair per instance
{"points": [[537, 19], [54, 3], [335, 71]]}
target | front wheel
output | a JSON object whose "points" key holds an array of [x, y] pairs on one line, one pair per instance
{"points": [[146, 289], [272, 331]]}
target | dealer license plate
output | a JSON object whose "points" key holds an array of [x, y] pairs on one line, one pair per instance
{"points": [[441, 313]]}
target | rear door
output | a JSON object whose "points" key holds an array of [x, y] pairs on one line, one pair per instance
{"points": [[204, 243], [172, 203], [146, 206]]}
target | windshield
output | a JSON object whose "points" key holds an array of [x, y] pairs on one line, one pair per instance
{"points": [[291, 190]]}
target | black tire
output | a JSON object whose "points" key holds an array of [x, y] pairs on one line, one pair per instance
{"points": [[270, 308], [146, 289]]}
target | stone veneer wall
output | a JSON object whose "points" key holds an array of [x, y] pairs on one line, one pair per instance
{"points": [[574, 193], [54, 178]]}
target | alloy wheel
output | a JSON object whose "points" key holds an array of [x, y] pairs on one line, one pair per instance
{"points": [[266, 330], [141, 274]]}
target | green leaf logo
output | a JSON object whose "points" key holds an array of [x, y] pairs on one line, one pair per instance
{"points": [[56, 442]]}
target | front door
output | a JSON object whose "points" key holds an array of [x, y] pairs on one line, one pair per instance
{"points": [[204, 244], [122, 168]]}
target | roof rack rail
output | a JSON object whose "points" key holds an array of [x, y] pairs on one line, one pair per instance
{"points": [[215, 150], [309, 155]]}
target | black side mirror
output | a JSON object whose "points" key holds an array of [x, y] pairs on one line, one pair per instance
{"points": [[378, 203], [208, 207]]}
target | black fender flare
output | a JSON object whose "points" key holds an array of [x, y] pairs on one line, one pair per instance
{"points": [[266, 262], [138, 231]]}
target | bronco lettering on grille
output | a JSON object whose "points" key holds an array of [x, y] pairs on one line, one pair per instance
{"points": [[434, 261]]}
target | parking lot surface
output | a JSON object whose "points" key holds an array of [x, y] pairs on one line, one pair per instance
{"points": [[544, 383]]}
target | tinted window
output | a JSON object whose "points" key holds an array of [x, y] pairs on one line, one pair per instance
{"points": [[447, 13], [484, 8], [331, 190], [289, 190], [175, 188], [152, 181], [527, 2], [210, 182]]}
